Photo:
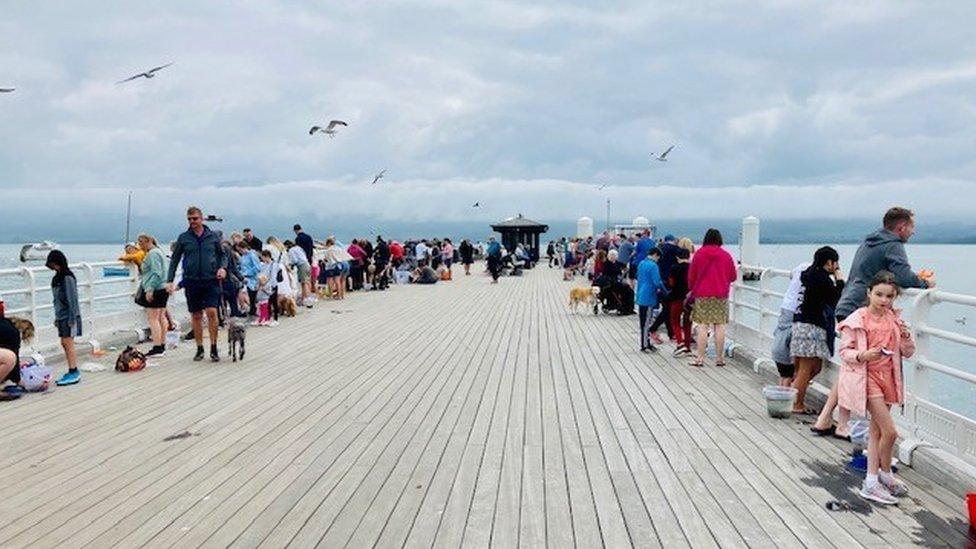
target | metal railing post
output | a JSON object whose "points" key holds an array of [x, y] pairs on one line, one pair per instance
{"points": [[762, 304], [920, 317], [32, 292], [90, 298]]}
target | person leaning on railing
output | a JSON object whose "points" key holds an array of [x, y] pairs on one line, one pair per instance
{"points": [[882, 250]]}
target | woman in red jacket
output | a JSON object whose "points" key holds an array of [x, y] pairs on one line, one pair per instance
{"points": [[710, 276]]}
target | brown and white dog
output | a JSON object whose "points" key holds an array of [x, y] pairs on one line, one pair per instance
{"points": [[586, 296], [287, 305]]}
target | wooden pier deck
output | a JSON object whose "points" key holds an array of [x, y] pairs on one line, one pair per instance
{"points": [[462, 414]]}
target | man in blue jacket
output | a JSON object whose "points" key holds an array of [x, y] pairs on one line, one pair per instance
{"points": [[204, 262], [649, 284]]}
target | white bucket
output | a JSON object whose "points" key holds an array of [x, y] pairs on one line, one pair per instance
{"points": [[779, 401], [172, 340]]}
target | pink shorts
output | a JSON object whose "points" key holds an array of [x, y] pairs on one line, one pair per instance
{"points": [[315, 271], [881, 383]]}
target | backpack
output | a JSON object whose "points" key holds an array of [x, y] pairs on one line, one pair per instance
{"points": [[130, 360]]}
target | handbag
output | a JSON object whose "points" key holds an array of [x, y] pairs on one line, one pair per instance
{"points": [[141, 297], [130, 360]]}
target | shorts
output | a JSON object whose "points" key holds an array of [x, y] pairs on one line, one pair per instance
{"points": [[159, 300], [344, 267], [881, 383], [809, 341], [782, 335], [304, 273], [66, 330], [786, 370], [201, 295], [314, 270]]}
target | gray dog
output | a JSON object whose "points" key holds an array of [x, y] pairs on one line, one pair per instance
{"points": [[236, 332]]}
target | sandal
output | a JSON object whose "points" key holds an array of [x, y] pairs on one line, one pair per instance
{"points": [[720, 363], [806, 412], [829, 431], [697, 363]]}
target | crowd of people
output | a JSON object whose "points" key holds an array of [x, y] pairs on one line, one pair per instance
{"points": [[673, 284], [235, 276], [678, 286]]}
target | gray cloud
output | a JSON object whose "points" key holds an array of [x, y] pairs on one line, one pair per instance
{"points": [[767, 102]]}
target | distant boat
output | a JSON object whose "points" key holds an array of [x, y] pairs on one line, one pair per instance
{"points": [[36, 251], [115, 271]]}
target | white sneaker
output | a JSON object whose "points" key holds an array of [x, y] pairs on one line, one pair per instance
{"points": [[896, 487], [878, 493], [273, 323]]}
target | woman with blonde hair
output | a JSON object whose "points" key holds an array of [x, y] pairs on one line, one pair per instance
{"points": [[152, 294], [336, 267]]}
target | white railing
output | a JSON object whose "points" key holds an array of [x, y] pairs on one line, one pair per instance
{"points": [[922, 416], [105, 301]]}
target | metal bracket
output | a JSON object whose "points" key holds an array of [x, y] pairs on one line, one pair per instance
{"points": [[908, 446]]}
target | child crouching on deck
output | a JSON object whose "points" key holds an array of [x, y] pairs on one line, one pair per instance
{"points": [[874, 339]]}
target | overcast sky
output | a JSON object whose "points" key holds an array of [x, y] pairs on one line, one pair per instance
{"points": [[777, 108]]}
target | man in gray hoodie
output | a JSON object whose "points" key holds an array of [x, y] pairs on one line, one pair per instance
{"points": [[882, 250]]}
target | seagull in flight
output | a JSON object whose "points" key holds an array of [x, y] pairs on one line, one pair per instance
{"points": [[961, 320], [663, 157], [151, 73], [7, 90], [329, 130], [476, 205], [604, 186], [378, 176]]}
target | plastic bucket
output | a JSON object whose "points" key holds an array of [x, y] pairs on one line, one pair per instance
{"points": [[779, 401], [172, 340], [971, 502]]}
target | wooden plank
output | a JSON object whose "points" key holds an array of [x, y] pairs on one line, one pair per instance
{"points": [[521, 423]]}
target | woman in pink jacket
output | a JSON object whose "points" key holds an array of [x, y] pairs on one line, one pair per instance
{"points": [[873, 341], [710, 276]]}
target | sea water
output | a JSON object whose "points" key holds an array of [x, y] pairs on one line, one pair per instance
{"points": [[953, 266]]}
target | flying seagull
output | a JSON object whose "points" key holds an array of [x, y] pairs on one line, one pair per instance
{"points": [[663, 157], [151, 73], [961, 320], [7, 90], [476, 205], [378, 176], [329, 130], [604, 186]]}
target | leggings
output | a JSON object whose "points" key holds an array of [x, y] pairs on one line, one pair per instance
{"points": [[275, 307], [643, 311], [680, 322], [230, 297], [662, 319], [252, 296]]}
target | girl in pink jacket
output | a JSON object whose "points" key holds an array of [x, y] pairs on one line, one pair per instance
{"points": [[873, 341]]}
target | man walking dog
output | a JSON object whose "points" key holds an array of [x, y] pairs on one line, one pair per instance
{"points": [[204, 262]]}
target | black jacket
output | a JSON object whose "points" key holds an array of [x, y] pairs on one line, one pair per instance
{"points": [[201, 256], [819, 298], [10, 340]]}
